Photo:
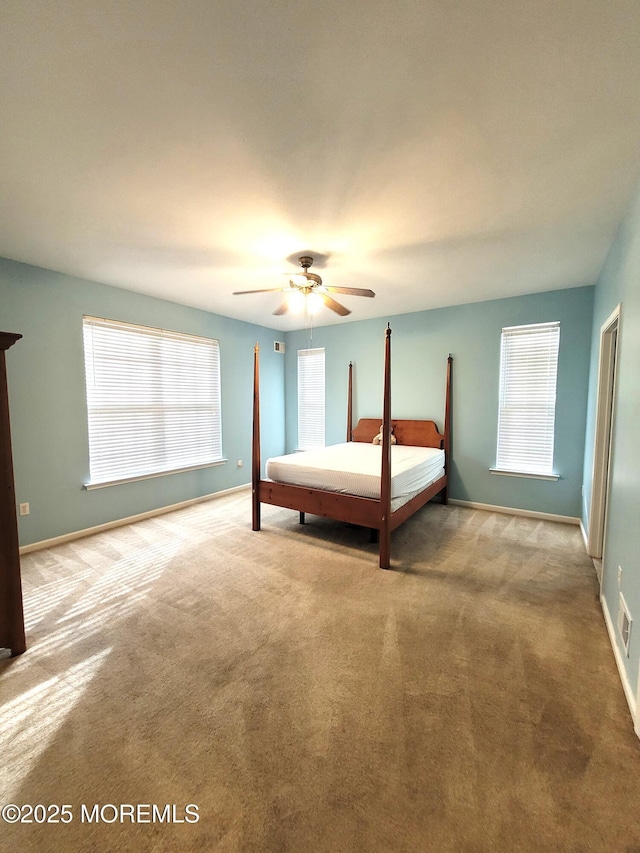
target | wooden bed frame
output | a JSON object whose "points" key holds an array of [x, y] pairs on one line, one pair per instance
{"points": [[367, 512]]}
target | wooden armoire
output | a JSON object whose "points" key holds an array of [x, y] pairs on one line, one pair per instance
{"points": [[11, 612]]}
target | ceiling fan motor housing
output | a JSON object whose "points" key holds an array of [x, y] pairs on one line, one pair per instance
{"points": [[312, 280]]}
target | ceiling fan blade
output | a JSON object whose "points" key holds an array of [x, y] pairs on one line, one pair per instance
{"points": [[282, 308], [266, 290], [335, 306], [353, 291]]}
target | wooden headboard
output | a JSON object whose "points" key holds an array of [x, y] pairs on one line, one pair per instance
{"points": [[416, 433]]}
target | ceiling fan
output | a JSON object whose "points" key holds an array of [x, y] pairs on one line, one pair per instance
{"points": [[306, 290]]}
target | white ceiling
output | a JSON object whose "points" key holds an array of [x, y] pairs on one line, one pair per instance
{"points": [[436, 152]]}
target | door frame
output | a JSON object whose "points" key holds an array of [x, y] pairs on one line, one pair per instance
{"points": [[605, 408]]}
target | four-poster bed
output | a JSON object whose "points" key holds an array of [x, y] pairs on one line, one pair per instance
{"points": [[12, 635], [381, 506]]}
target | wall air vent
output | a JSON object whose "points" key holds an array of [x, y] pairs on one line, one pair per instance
{"points": [[278, 346], [624, 623]]}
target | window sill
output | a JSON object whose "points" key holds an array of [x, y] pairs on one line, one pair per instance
{"points": [[529, 476], [102, 484]]}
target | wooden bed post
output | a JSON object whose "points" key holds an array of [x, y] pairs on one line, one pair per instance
{"points": [[447, 429], [385, 481], [350, 405], [11, 611], [255, 448]]}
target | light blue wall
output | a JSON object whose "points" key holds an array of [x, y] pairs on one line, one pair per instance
{"points": [[48, 403], [48, 409], [420, 345], [619, 283]]}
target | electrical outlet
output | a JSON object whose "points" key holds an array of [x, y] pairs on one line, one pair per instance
{"points": [[24, 509], [240, 463]]}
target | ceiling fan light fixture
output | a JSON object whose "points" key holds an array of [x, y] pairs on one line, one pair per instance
{"points": [[307, 293]]}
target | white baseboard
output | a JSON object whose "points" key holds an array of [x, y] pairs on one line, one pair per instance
{"points": [[628, 691], [120, 522], [525, 513]]}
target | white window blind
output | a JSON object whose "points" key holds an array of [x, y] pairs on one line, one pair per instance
{"points": [[526, 420], [153, 400], [310, 399]]}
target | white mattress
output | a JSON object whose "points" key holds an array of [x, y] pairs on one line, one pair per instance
{"points": [[354, 468]]}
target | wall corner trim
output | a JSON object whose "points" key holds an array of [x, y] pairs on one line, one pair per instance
{"points": [[585, 537]]}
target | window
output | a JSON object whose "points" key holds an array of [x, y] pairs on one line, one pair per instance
{"points": [[153, 400], [310, 398], [526, 418]]}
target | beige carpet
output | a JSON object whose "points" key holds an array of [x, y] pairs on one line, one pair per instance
{"points": [[304, 700]]}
